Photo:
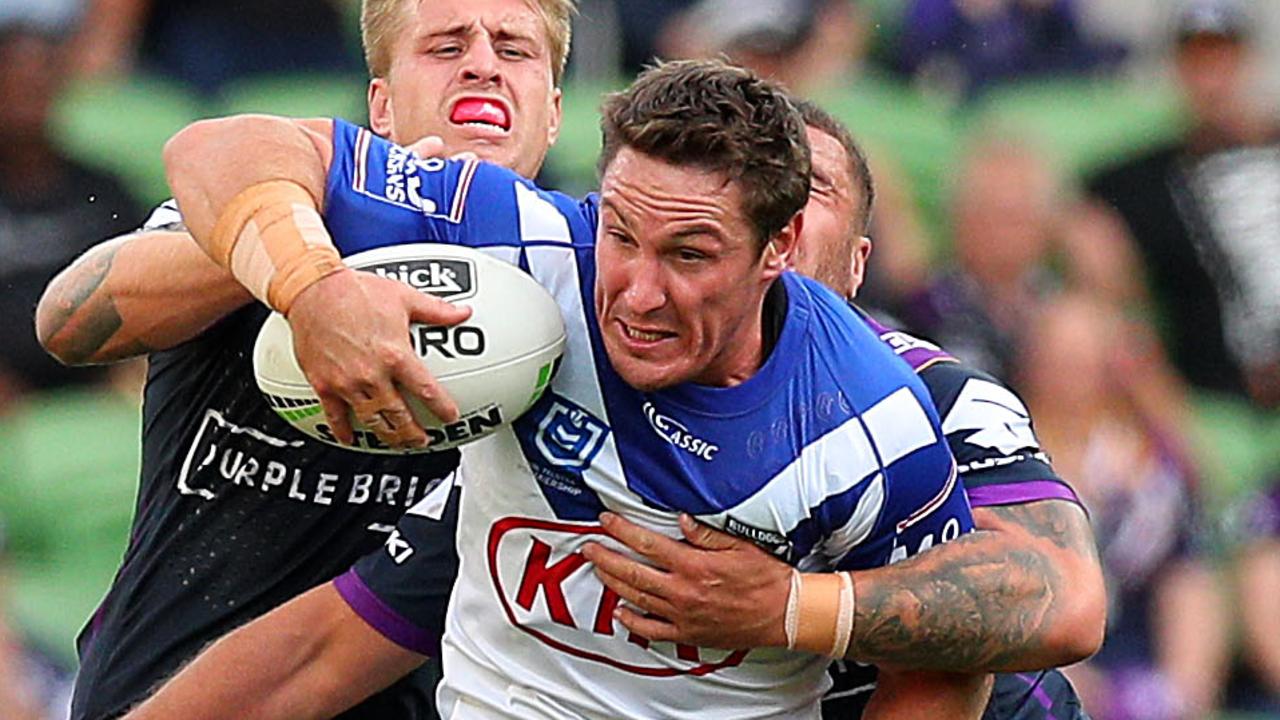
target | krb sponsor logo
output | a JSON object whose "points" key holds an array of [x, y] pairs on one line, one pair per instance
{"points": [[547, 589], [677, 434]]}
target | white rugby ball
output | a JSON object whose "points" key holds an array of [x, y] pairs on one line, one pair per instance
{"points": [[494, 366]]}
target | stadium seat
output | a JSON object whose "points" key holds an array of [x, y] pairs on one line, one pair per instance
{"points": [[301, 95], [573, 158], [122, 125], [918, 132], [68, 476], [1084, 123]]}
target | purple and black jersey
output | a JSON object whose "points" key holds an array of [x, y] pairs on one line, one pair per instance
{"points": [[237, 512], [989, 431]]}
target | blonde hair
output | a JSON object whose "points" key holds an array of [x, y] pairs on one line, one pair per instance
{"points": [[381, 21]]}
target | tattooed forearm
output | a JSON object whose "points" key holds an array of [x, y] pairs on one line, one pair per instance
{"points": [[1003, 598], [1058, 522], [78, 318]]}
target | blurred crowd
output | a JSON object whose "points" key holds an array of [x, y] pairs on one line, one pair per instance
{"points": [[1081, 197]]}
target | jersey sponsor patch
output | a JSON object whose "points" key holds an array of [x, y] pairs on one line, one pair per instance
{"points": [[555, 597], [227, 457], [391, 174]]}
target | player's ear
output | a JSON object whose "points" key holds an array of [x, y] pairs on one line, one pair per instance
{"points": [[858, 265], [780, 248], [381, 117], [555, 117]]}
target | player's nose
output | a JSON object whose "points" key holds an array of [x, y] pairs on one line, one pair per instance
{"points": [[645, 291], [480, 64]]}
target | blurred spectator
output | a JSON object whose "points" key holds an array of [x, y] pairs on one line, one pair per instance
{"points": [[1167, 641], [815, 48], [208, 43], [1143, 27], [807, 45], [51, 207], [1257, 687], [964, 47], [17, 697], [642, 23], [1100, 259], [1205, 214], [1005, 207]]}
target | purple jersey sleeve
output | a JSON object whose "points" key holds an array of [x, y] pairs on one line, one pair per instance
{"points": [[987, 426], [402, 590]]}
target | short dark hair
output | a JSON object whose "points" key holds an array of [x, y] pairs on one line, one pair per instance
{"points": [[718, 117], [859, 170]]}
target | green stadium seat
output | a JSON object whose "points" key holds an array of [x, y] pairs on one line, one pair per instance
{"points": [[917, 132], [122, 126], [301, 95], [573, 157], [1084, 123], [68, 476]]}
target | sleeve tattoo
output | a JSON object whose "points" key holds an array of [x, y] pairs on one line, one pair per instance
{"points": [[984, 601], [84, 316]]}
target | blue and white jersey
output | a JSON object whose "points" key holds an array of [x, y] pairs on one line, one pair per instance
{"points": [[831, 456]]}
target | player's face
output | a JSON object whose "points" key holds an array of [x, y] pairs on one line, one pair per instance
{"points": [[831, 250], [477, 73], [680, 280]]}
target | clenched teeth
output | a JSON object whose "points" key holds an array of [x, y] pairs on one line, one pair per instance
{"points": [[641, 335]]}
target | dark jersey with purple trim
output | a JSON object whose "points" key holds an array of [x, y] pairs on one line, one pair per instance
{"points": [[989, 432], [830, 455], [237, 512]]}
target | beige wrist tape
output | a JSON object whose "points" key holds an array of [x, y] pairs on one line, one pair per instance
{"points": [[272, 239], [820, 612]]}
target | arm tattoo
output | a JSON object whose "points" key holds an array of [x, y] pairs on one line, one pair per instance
{"points": [[86, 318], [981, 602]]}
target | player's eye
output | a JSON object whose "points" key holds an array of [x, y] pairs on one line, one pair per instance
{"points": [[621, 238], [691, 255], [513, 53], [451, 50]]}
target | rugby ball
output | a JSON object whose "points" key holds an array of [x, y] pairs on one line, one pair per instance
{"points": [[494, 366]]}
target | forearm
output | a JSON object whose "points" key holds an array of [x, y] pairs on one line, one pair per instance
{"points": [[310, 658], [133, 295], [1024, 592], [210, 162], [238, 677], [926, 696]]}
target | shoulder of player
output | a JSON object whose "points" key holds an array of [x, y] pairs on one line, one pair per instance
{"points": [[945, 381]]}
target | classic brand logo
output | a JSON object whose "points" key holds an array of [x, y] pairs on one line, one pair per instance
{"points": [[674, 432], [568, 436], [547, 590], [446, 278]]}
